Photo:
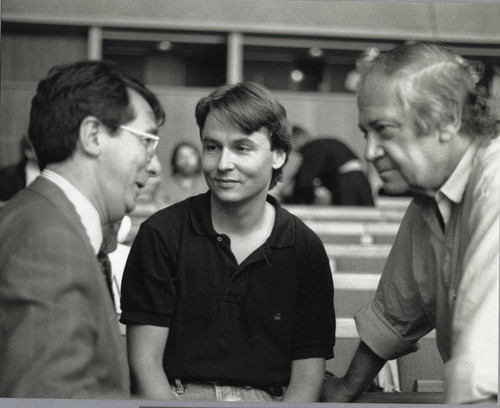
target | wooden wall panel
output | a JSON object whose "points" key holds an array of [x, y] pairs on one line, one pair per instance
{"points": [[27, 56], [417, 20]]}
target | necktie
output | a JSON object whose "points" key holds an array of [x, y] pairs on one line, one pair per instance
{"points": [[103, 258], [438, 214]]}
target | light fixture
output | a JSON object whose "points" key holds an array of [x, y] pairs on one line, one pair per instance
{"points": [[297, 75], [164, 45], [315, 52]]}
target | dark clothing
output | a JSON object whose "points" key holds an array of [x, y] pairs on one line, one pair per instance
{"points": [[12, 180], [237, 324], [322, 159]]}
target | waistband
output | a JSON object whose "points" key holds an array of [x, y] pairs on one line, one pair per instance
{"points": [[273, 390]]}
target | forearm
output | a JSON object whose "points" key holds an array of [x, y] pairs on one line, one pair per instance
{"points": [[150, 381], [305, 381], [146, 345], [364, 366]]}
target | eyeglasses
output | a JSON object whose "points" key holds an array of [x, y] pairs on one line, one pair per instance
{"points": [[149, 140]]}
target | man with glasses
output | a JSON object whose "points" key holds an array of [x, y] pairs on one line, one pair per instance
{"points": [[94, 132], [226, 295]]}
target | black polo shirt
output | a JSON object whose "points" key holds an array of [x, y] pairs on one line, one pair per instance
{"points": [[237, 324]]}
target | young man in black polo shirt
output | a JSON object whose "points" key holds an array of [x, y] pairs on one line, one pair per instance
{"points": [[226, 295]]}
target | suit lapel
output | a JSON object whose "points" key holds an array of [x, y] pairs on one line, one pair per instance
{"points": [[56, 196]]}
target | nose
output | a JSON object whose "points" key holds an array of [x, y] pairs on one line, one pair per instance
{"points": [[373, 150], [225, 160], [154, 167]]}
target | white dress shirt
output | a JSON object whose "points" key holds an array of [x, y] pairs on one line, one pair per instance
{"points": [[88, 213]]}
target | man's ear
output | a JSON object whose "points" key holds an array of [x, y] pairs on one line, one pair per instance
{"points": [[279, 157], [448, 131], [89, 136], [451, 129]]}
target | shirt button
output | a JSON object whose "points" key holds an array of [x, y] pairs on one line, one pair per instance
{"points": [[219, 239]]}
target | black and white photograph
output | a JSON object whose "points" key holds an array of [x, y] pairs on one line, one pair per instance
{"points": [[249, 203]]}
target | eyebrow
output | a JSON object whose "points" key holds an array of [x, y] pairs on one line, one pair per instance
{"points": [[208, 139], [375, 122], [246, 139]]}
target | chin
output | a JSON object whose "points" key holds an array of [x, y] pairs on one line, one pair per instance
{"points": [[227, 198], [130, 208], [395, 189]]}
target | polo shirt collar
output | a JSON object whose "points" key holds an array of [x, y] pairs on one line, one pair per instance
{"points": [[282, 235]]}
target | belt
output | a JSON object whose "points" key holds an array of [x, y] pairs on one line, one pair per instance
{"points": [[273, 390]]}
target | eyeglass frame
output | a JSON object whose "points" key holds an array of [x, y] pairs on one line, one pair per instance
{"points": [[144, 136]]}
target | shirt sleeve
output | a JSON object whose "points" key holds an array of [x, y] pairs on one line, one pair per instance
{"points": [[148, 292], [314, 328], [394, 321], [472, 372]]}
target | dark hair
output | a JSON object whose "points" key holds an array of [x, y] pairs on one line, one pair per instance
{"points": [[72, 92], [173, 160], [250, 107], [436, 88]]}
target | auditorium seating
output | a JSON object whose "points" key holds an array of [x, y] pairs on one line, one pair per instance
{"points": [[357, 241]]}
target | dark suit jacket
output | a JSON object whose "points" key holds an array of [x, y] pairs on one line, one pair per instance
{"points": [[59, 335]]}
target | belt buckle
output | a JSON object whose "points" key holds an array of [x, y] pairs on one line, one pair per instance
{"points": [[179, 388]]}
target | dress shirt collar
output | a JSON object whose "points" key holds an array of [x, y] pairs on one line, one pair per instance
{"points": [[32, 172], [85, 209], [453, 189]]}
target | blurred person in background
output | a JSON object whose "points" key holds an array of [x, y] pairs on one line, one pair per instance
{"points": [[94, 133], [329, 173], [429, 132], [186, 178], [14, 178]]}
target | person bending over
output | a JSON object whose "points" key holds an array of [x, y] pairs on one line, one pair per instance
{"points": [[429, 132]]}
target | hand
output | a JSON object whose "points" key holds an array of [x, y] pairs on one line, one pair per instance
{"points": [[335, 390]]}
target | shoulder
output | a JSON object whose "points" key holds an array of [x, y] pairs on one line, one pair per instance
{"points": [[488, 156], [34, 229], [33, 214], [26, 208], [303, 237], [174, 218], [485, 169]]}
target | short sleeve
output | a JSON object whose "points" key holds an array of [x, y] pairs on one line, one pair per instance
{"points": [[148, 293], [314, 329]]}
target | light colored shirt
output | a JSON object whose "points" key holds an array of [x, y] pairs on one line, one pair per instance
{"points": [[88, 213], [32, 172], [447, 280]]}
